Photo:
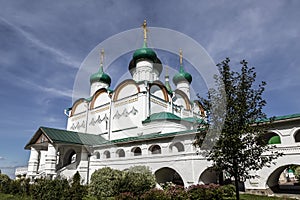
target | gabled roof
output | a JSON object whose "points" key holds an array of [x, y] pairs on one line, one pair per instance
{"points": [[63, 136]]}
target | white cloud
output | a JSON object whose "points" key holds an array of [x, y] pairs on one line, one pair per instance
{"points": [[2, 158], [61, 56]]}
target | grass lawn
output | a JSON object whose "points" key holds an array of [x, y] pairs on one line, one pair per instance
{"points": [[242, 196], [258, 197], [12, 197]]}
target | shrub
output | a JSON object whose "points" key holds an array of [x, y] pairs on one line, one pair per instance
{"points": [[176, 192], [137, 180], [105, 182], [228, 191], [50, 189], [4, 183], [210, 191], [126, 196], [77, 191], [155, 194]]}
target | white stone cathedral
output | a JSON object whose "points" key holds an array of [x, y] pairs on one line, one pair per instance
{"points": [[143, 121]]}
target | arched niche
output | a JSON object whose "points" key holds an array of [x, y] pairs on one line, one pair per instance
{"points": [[125, 89], [297, 135], [79, 106], [106, 154], [97, 155], [136, 151], [176, 147], [181, 99], [120, 153], [155, 149], [158, 89], [101, 97], [272, 138]]}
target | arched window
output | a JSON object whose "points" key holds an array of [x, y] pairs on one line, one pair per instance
{"points": [[136, 151], [155, 149], [297, 136], [176, 147], [106, 154], [272, 138], [120, 153], [97, 155]]}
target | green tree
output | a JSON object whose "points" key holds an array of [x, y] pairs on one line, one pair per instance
{"points": [[77, 191], [105, 182], [4, 183], [137, 180], [242, 122]]}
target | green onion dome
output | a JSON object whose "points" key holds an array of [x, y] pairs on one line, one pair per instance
{"points": [[100, 76], [145, 53], [182, 76], [167, 85]]}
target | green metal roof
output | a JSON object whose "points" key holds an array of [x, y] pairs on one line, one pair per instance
{"points": [[64, 136], [151, 136], [71, 137], [161, 116], [170, 116], [278, 118], [194, 120]]}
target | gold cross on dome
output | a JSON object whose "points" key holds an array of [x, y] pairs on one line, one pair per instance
{"points": [[180, 56], [145, 30], [102, 57]]}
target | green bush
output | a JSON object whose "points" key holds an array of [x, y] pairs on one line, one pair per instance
{"points": [[176, 192], [126, 196], [137, 180], [155, 194], [228, 191], [77, 191], [105, 182], [4, 184], [210, 191], [44, 189]]}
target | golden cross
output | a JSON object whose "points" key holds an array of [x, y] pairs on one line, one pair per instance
{"points": [[145, 30], [102, 57], [180, 56]]}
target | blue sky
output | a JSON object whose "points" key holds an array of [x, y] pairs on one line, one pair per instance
{"points": [[42, 44]]}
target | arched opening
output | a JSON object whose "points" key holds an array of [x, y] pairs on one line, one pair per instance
{"points": [[97, 155], [285, 179], [166, 174], [176, 147], [106, 154], [136, 151], [70, 157], [297, 136], [272, 138], [120, 153], [209, 176], [155, 149]]}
